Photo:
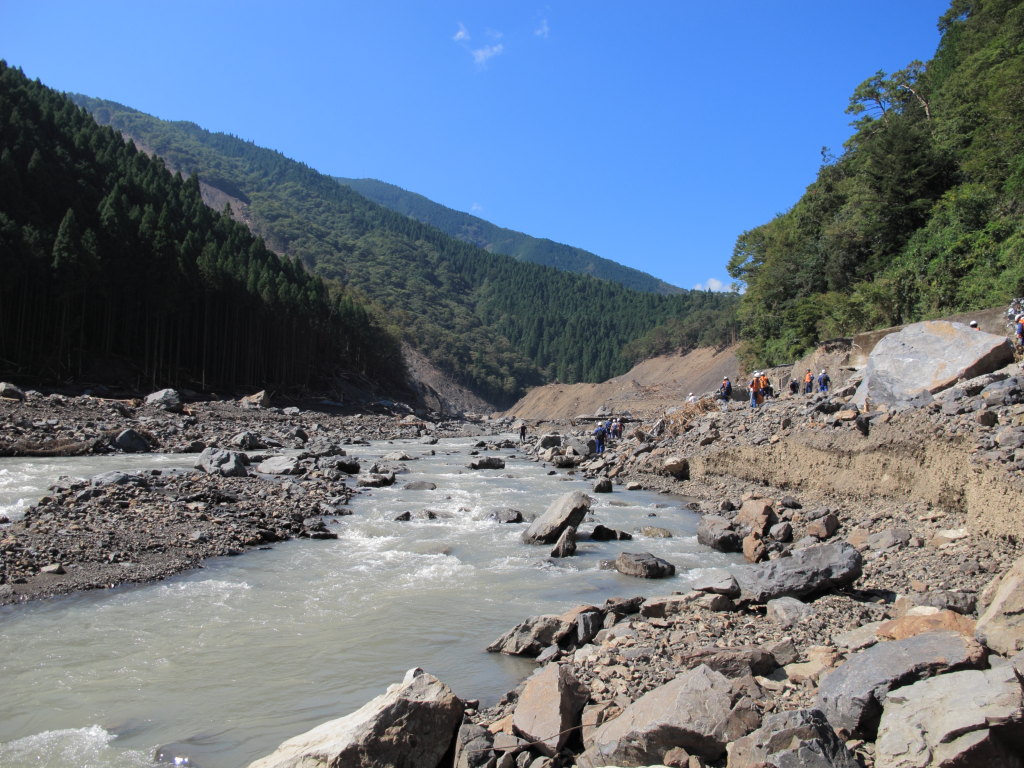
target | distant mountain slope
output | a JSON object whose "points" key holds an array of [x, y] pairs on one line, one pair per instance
{"points": [[494, 324], [495, 239]]}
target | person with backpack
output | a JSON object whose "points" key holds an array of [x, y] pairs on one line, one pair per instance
{"points": [[599, 435], [755, 390], [808, 382], [823, 381]]}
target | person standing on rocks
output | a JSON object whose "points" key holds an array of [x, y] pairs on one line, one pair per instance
{"points": [[1018, 332], [794, 387], [808, 382], [725, 391], [755, 390], [599, 434], [766, 386], [823, 381], [522, 433]]}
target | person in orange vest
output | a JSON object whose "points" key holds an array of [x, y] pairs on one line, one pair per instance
{"points": [[766, 386], [755, 389], [808, 382]]}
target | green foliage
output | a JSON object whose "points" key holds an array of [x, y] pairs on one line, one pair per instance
{"points": [[922, 213], [107, 256], [493, 323]]}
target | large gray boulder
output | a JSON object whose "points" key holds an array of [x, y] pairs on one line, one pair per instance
{"points": [[10, 391], [718, 533], [801, 737], [852, 695], [810, 571], [167, 399], [412, 725], [697, 711], [487, 462], [906, 368], [215, 461], [549, 708], [964, 718], [131, 441], [279, 465], [532, 636], [643, 565], [566, 510]]}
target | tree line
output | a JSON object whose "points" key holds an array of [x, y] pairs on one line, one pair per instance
{"points": [[112, 263]]}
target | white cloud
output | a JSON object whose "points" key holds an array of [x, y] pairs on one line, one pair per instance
{"points": [[481, 55], [543, 30], [712, 284], [462, 34], [476, 208]]}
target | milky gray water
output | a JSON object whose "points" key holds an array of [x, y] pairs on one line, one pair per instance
{"points": [[227, 661]]}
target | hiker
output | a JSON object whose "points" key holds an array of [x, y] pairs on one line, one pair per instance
{"points": [[522, 433], [599, 434], [725, 391], [794, 387], [691, 398], [808, 382], [755, 390], [823, 381], [1018, 331], [766, 386]]}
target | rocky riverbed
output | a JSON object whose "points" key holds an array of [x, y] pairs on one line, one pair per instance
{"points": [[874, 624]]}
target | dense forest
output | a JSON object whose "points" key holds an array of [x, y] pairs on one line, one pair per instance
{"points": [[112, 264], [495, 239], [921, 214], [494, 323]]}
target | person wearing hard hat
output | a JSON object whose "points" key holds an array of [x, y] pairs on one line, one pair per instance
{"points": [[823, 381]]}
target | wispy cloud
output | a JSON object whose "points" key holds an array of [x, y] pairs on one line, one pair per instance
{"points": [[711, 284], [462, 34], [542, 30], [476, 208], [482, 55]]}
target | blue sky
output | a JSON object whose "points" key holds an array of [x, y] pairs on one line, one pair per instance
{"points": [[651, 133]]}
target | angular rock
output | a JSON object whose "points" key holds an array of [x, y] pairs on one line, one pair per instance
{"points": [[601, 533], [676, 466], [487, 462], [604, 485], [735, 661], [966, 718], [279, 465], [420, 485], [809, 571], [505, 515], [757, 515], [412, 725], [788, 611], [717, 581], [567, 510], [1001, 624], [801, 737], [167, 399], [566, 544], [852, 695], [532, 636], [695, 712], [10, 391], [214, 461], [717, 532], [549, 708], [644, 565], [905, 368], [247, 441], [910, 624], [823, 527], [473, 747], [754, 549], [131, 441], [259, 399]]}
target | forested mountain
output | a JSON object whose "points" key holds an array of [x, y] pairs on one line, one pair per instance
{"points": [[495, 323], [923, 212], [495, 239], [109, 261]]}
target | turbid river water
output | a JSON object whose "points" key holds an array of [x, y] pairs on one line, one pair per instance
{"points": [[225, 662]]}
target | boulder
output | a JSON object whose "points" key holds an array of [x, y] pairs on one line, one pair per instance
{"points": [[166, 399], [549, 441], [601, 533], [717, 532], [801, 737], [717, 581], [130, 441], [532, 636], [549, 708], [279, 465], [643, 564], [473, 747], [735, 661], [906, 368], [487, 462], [911, 624], [787, 611], [757, 515], [676, 466], [259, 399], [754, 548], [809, 571], [115, 477], [215, 461], [412, 725], [696, 712], [1001, 623], [420, 485], [505, 515], [376, 480], [566, 544], [973, 717], [247, 441], [852, 695], [604, 485], [569, 509], [823, 527], [10, 391]]}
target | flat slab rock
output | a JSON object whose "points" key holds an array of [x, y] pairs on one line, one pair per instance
{"points": [[569, 509], [810, 571], [644, 565]]}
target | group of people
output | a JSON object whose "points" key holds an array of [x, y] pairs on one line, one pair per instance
{"points": [[610, 429], [760, 387]]}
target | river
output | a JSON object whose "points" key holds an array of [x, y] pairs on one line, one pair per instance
{"points": [[225, 662]]}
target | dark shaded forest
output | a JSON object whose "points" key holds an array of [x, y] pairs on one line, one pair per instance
{"points": [[113, 268], [922, 214]]}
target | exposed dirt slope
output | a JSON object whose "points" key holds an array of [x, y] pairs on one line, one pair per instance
{"points": [[649, 388]]}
